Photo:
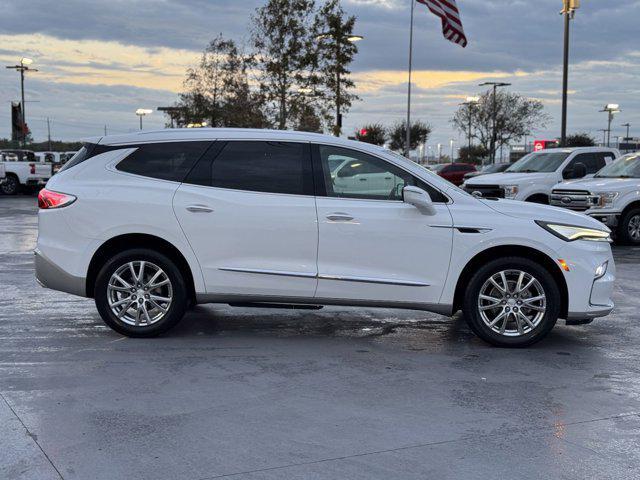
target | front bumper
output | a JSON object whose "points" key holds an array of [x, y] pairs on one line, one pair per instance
{"points": [[51, 276], [610, 219], [589, 294]]}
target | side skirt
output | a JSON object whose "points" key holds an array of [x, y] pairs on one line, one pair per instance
{"points": [[442, 309]]}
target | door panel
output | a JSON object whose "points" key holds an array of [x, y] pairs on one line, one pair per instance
{"points": [[382, 251], [374, 247], [255, 232], [249, 242]]}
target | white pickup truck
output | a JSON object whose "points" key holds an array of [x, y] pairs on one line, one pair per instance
{"points": [[612, 196], [533, 176], [23, 169]]}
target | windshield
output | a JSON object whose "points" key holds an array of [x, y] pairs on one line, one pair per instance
{"points": [[627, 166], [539, 162], [495, 167]]}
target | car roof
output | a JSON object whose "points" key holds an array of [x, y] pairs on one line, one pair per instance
{"points": [[577, 149], [182, 134]]}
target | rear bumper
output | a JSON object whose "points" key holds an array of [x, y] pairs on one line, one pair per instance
{"points": [[49, 275]]}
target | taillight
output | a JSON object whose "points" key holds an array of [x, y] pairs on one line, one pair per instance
{"points": [[33, 168], [48, 199]]}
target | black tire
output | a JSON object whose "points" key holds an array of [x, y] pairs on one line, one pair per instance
{"points": [[624, 235], [11, 185], [175, 310], [483, 274]]}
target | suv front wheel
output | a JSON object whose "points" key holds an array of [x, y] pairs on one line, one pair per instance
{"points": [[512, 302], [140, 293]]}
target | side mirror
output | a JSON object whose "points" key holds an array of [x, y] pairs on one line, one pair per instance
{"points": [[418, 198]]}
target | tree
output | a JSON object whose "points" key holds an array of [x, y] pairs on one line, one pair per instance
{"points": [[472, 155], [336, 49], [420, 132], [286, 56], [374, 133], [516, 117], [307, 119], [217, 90], [580, 140]]}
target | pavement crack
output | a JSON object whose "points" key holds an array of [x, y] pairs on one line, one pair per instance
{"points": [[32, 435], [409, 447]]}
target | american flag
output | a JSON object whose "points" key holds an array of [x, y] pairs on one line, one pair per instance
{"points": [[448, 12]]}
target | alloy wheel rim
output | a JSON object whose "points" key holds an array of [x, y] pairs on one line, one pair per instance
{"points": [[139, 293], [512, 303], [634, 227]]}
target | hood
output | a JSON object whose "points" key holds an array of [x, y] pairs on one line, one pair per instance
{"points": [[510, 178], [600, 184], [536, 211]]}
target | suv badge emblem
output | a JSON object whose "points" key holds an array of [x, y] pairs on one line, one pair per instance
{"points": [[565, 200]]}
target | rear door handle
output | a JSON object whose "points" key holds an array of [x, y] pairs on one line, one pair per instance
{"points": [[339, 217], [199, 209], [363, 179]]}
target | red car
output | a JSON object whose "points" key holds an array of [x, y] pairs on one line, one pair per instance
{"points": [[454, 172]]}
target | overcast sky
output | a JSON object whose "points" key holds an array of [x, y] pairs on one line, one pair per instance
{"points": [[100, 60]]}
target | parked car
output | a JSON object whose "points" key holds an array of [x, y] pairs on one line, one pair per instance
{"points": [[23, 169], [148, 224], [487, 169], [533, 176], [454, 172], [611, 196], [56, 159]]}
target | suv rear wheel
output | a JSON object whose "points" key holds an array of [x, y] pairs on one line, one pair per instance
{"points": [[512, 302], [140, 293]]}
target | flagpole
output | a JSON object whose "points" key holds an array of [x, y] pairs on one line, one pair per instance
{"points": [[407, 146]]}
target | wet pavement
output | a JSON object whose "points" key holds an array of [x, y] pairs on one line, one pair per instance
{"points": [[338, 393]]}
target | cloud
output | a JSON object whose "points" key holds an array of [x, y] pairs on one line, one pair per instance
{"points": [[100, 60]]}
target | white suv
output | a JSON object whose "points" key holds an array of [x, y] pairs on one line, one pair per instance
{"points": [[533, 176], [153, 222]]}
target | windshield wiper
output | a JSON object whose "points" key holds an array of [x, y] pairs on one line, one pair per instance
{"points": [[527, 170]]}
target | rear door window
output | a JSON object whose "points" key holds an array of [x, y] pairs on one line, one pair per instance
{"points": [[165, 161], [257, 166]]}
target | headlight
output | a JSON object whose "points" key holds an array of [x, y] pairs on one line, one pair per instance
{"points": [[510, 191], [605, 199], [570, 233]]}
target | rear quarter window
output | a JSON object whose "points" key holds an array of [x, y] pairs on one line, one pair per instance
{"points": [[165, 161]]}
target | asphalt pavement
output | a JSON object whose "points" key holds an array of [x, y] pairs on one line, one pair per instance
{"points": [[339, 393]]}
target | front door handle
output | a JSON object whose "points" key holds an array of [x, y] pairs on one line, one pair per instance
{"points": [[339, 217], [199, 209]]}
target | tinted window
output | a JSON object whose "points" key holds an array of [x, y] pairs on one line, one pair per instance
{"points": [[165, 161], [592, 161], [272, 167], [364, 176], [87, 151], [544, 161]]}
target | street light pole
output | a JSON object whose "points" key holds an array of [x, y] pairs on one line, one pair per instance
{"points": [[23, 67], [141, 112], [470, 104], [628, 125], [611, 109], [568, 10], [494, 137]]}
